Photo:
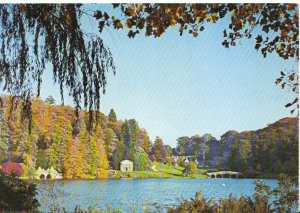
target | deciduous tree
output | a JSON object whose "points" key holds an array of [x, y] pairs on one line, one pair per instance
{"points": [[159, 150]]}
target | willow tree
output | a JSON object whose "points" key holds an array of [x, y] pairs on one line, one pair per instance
{"points": [[275, 27], [39, 37]]}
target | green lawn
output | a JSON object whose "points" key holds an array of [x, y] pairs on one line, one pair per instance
{"points": [[164, 171]]}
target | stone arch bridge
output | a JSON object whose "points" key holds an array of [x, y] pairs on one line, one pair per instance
{"points": [[223, 174], [47, 174]]}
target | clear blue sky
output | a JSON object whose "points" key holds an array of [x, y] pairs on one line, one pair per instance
{"points": [[181, 86]]}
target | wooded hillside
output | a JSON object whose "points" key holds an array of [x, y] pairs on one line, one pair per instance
{"points": [[273, 149], [58, 138]]}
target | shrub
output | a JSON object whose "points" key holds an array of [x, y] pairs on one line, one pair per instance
{"points": [[17, 195], [11, 168]]}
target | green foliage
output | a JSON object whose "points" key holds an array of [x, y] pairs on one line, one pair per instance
{"points": [[190, 170], [93, 158], [265, 152], [112, 116], [169, 150], [50, 100], [193, 169], [145, 141], [182, 144], [126, 137], [81, 166], [61, 135], [142, 160], [133, 153], [3, 137], [130, 147], [159, 150], [42, 159], [17, 195], [181, 162], [234, 155], [62, 140], [109, 141], [118, 155]]}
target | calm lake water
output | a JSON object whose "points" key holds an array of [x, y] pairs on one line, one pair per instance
{"points": [[130, 194]]}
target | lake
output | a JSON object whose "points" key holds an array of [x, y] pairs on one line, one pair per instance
{"points": [[130, 194]]}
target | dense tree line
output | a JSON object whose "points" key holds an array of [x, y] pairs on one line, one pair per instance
{"points": [[273, 149], [58, 138]]}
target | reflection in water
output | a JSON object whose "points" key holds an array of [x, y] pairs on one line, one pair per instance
{"points": [[139, 194]]}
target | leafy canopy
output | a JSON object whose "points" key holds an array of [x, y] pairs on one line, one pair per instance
{"points": [[277, 24]]}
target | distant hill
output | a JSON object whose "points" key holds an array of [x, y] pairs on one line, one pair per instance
{"points": [[273, 149]]}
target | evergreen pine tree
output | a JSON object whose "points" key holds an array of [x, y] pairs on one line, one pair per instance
{"points": [[112, 116]]}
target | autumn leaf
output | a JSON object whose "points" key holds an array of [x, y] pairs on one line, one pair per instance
{"points": [[106, 16], [279, 47], [138, 8], [118, 24], [97, 14], [278, 80], [128, 24], [22, 8], [173, 22], [130, 12], [288, 105], [115, 5], [258, 39], [141, 23], [101, 26], [257, 46], [292, 77]]}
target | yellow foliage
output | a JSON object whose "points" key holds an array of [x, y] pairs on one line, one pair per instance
{"points": [[173, 21], [103, 174]]}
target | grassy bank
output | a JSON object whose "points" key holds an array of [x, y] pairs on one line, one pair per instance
{"points": [[159, 170]]}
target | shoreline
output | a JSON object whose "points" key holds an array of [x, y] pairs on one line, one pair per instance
{"points": [[138, 178]]}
